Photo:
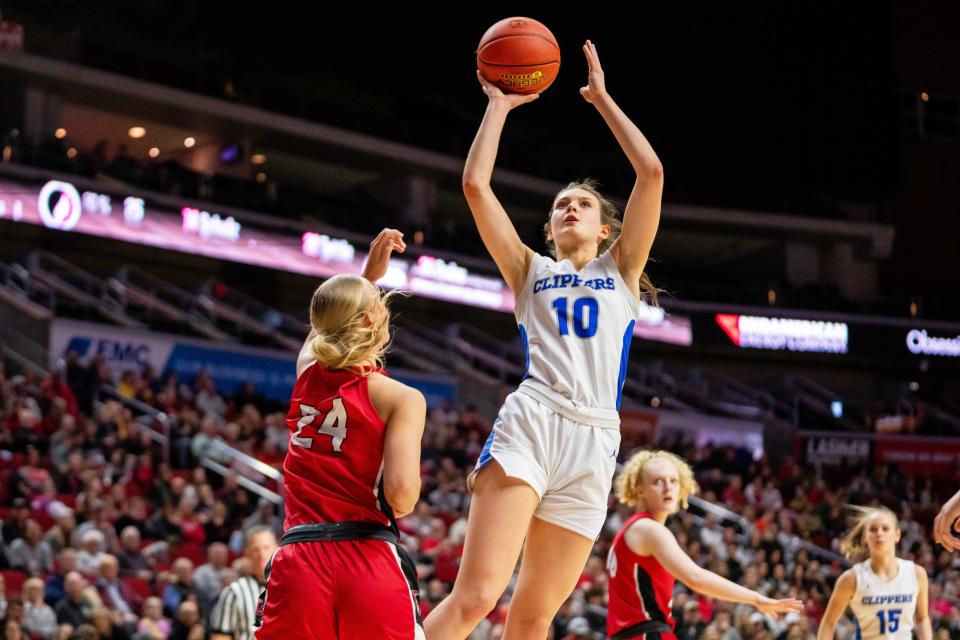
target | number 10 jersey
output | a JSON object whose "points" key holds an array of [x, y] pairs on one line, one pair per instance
{"points": [[576, 328]]}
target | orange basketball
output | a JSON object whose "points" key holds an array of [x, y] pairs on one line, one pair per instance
{"points": [[519, 55]]}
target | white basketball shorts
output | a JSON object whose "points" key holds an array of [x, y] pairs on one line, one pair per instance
{"points": [[568, 462]]}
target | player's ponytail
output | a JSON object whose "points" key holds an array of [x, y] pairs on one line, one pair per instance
{"points": [[351, 324], [628, 483], [852, 545]]}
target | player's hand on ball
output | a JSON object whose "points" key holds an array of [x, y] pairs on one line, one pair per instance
{"points": [[386, 242], [946, 523], [596, 87], [511, 100], [774, 608]]}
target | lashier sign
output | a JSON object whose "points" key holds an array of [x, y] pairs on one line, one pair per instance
{"points": [[791, 334], [920, 343]]}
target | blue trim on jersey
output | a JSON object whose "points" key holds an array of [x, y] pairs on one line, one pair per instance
{"points": [[526, 353], [624, 355], [485, 454], [857, 636]]}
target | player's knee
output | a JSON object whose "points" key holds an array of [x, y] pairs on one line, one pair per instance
{"points": [[476, 604], [530, 624]]}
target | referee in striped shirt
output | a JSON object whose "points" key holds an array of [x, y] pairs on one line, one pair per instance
{"points": [[233, 615]]}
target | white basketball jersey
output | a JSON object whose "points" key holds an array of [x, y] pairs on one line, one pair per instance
{"points": [[576, 329], [885, 609]]}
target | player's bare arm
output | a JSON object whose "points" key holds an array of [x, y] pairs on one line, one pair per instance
{"points": [[641, 217], [842, 594], [496, 230], [648, 537]]}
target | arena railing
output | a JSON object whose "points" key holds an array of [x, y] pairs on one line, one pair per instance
{"points": [[160, 436], [236, 457], [159, 296], [71, 282]]}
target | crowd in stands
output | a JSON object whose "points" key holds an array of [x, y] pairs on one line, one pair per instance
{"points": [[102, 536]]}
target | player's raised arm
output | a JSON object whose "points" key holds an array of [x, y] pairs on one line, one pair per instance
{"points": [[378, 261], [641, 217], [496, 230], [842, 595], [648, 537]]}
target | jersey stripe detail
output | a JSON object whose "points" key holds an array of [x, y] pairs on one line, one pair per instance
{"points": [[485, 453], [418, 633], [648, 597], [526, 351], [624, 355]]}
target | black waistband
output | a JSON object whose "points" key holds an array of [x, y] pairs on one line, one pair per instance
{"points": [[640, 629], [328, 531], [323, 531]]}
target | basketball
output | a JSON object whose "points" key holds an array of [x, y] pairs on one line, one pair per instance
{"points": [[519, 55]]}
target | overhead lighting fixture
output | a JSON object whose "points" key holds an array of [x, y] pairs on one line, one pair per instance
{"points": [[154, 152], [60, 133], [136, 132], [836, 409], [231, 153], [258, 158], [189, 142]]}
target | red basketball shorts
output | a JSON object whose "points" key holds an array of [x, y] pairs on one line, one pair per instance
{"points": [[339, 590]]}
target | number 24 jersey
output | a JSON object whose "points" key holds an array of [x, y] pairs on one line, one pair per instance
{"points": [[334, 460]]}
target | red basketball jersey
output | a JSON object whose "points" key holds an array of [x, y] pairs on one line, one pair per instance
{"points": [[640, 589], [335, 457]]}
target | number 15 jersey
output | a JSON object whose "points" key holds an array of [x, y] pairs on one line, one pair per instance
{"points": [[885, 609], [576, 328], [334, 460]]}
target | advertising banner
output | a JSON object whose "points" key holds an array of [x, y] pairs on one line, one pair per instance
{"points": [[705, 429], [62, 206], [229, 365], [835, 450], [915, 455], [827, 336], [920, 456]]}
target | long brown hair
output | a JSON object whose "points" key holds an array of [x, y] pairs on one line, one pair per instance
{"points": [[610, 216]]}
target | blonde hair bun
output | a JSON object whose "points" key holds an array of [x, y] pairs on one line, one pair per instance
{"points": [[351, 324]]}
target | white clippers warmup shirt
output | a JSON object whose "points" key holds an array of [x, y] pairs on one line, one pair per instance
{"points": [[576, 329], [885, 609]]}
